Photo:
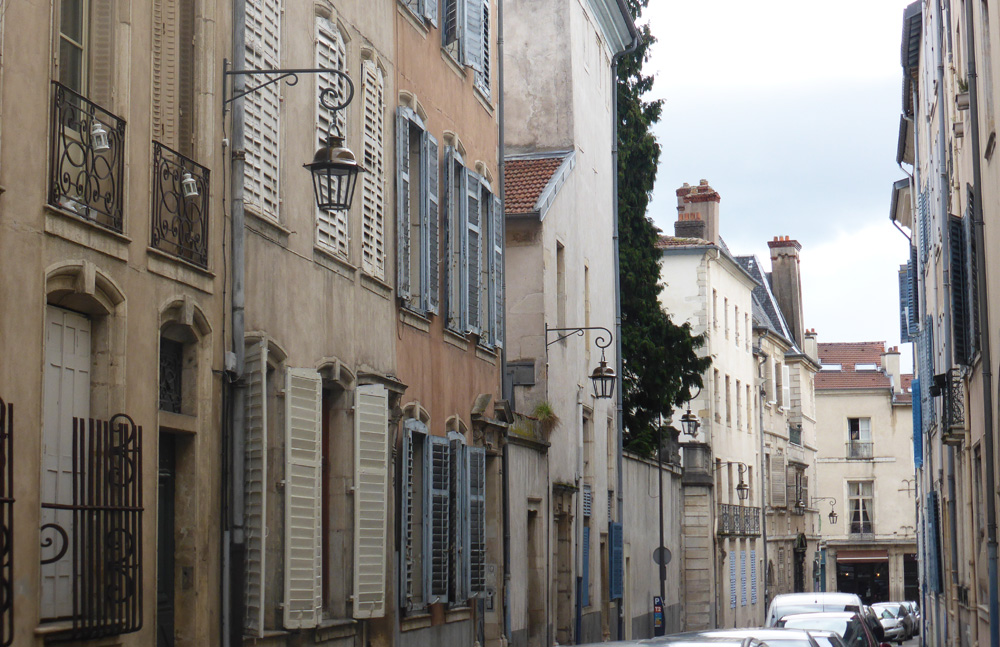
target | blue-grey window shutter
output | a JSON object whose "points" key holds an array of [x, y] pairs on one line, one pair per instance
{"points": [[450, 26], [972, 269], [743, 578], [616, 584], [430, 10], [477, 521], [753, 577], [960, 310], [496, 273], [407, 500], [436, 522], [472, 33], [458, 513], [473, 253], [403, 204], [585, 572], [732, 580], [430, 222], [904, 304]]}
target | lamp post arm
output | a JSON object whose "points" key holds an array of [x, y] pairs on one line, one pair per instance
{"points": [[600, 341], [292, 77]]}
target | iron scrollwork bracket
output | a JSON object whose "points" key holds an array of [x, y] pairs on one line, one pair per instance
{"points": [[291, 77], [600, 341]]}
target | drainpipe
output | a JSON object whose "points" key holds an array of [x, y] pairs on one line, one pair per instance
{"points": [[986, 360], [508, 396], [619, 365], [762, 357], [234, 549]]}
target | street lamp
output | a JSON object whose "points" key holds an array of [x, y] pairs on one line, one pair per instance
{"points": [[833, 502], [743, 490], [689, 421], [334, 167], [604, 377]]}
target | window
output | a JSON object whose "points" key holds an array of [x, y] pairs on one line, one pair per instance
{"points": [[736, 324], [729, 402], [465, 35], [86, 48], [263, 52], [860, 498], [739, 405], [561, 295], [869, 366], [786, 386], [717, 384], [332, 227], [749, 409], [746, 318], [373, 189], [977, 480], [482, 75], [831, 367], [859, 438], [725, 315], [417, 210], [715, 309], [174, 72]]}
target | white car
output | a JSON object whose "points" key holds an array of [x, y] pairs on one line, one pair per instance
{"points": [[788, 603], [892, 622]]}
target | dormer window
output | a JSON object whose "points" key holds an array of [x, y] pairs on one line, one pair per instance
{"points": [[866, 367], [831, 367]]}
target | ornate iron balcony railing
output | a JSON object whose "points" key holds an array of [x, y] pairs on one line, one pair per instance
{"points": [[859, 449], [180, 224], [954, 404], [84, 178], [91, 542], [738, 521]]}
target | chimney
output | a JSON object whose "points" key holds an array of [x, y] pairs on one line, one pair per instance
{"points": [[890, 364], [812, 345], [786, 283], [697, 212]]}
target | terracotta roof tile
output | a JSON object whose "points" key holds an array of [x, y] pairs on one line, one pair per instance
{"points": [[525, 179], [852, 380], [851, 353]]}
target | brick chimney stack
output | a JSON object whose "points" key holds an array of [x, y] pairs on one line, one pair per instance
{"points": [[698, 212], [786, 283]]}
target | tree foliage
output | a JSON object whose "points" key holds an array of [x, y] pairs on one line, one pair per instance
{"points": [[661, 365]]}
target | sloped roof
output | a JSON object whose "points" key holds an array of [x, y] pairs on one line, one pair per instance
{"points": [[848, 355], [766, 313], [529, 179]]}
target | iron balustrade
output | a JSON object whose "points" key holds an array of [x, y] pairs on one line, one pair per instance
{"points": [[100, 532], [862, 529], [6, 523], [180, 224], [84, 179], [954, 403], [859, 449], [739, 521]]}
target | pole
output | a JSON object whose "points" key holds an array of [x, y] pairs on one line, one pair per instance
{"points": [[763, 479], [659, 474]]}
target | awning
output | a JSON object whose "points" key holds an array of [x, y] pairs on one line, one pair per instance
{"points": [[862, 556]]}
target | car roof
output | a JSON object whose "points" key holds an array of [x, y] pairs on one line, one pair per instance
{"points": [[691, 638], [762, 633], [820, 596], [822, 614]]}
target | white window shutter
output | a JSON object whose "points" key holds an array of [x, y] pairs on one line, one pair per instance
{"points": [[477, 522], [473, 254], [371, 499], [407, 549], [458, 503], [497, 321], [437, 524], [430, 11], [256, 485], [403, 204], [472, 34], [431, 221], [261, 176], [778, 480], [786, 387], [373, 208], [332, 227], [303, 584], [452, 245]]}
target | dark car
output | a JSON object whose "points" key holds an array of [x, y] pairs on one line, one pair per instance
{"points": [[849, 626]]}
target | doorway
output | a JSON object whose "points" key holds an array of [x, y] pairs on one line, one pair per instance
{"points": [[870, 580], [166, 565]]}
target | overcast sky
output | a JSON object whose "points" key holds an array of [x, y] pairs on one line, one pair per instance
{"points": [[790, 109]]}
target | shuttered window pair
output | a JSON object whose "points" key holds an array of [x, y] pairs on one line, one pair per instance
{"points": [[473, 252], [465, 33], [442, 519], [263, 47], [964, 284], [301, 540], [418, 217]]}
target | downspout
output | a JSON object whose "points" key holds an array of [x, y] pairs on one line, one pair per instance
{"points": [[508, 396], [619, 364], [235, 548], [762, 357], [986, 360], [945, 190]]}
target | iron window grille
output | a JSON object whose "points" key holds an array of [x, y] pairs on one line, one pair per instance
{"points": [[171, 372], [738, 521], [86, 178], [180, 223], [6, 524], [104, 539], [859, 449]]}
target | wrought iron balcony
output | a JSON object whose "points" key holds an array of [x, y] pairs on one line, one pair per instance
{"points": [[859, 449], [738, 521], [87, 165], [954, 407], [180, 222]]}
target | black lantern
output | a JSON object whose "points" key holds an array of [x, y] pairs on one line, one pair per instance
{"points": [[743, 490], [690, 424], [335, 175], [833, 503], [603, 379], [833, 518]]}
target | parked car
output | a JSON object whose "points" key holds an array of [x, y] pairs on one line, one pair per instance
{"points": [[874, 623], [894, 621], [827, 639], [849, 625], [770, 636], [915, 614], [686, 639], [789, 603]]}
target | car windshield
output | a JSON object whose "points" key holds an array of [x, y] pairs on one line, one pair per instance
{"points": [[810, 607], [827, 641], [887, 613], [836, 625]]}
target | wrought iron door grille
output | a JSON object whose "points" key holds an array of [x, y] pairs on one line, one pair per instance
{"points": [[180, 224], [6, 524], [84, 180], [171, 371], [104, 541]]}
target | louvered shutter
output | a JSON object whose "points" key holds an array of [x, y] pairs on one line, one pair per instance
{"points": [[371, 499], [472, 33], [924, 226], [588, 501], [101, 50], [732, 580], [473, 254], [805, 490], [303, 498], [431, 221], [778, 494], [164, 107], [585, 570], [616, 584], [436, 522], [743, 578], [452, 200], [262, 123], [403, 204], [477, 522], [373, 208], [408, 551], [972, 269], [753, 577], [430, 11], [332, 226], [458, 531], [904, 306], [483, 73], [786, 387], [913, 298], [450, 26], [792, 486], [256, 484], [959, 291], [496, 275]]}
